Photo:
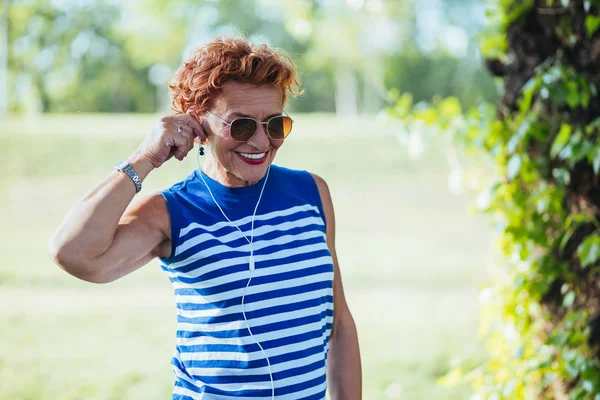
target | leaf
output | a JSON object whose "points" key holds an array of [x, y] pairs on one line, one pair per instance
{"points": [[585, 91], [518, 136], [529, 89], [452, 378], [520, 351], [581, 150], [569, 355], [565, 239], [569, 299], [514, 164], [589, 386], [594, 158], [572, 94], [557, 339], [562, 176], [592, 24], [450, 107], [592, 126], [579, 219], [589, 250], [561, 140]]}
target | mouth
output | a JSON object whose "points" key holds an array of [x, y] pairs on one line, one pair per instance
{"points": [[253, 158]]}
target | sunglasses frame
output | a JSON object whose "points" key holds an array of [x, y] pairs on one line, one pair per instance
{"points": [[266, 123]]}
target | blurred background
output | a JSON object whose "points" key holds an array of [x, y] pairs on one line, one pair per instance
{"points": [[82, 82]]}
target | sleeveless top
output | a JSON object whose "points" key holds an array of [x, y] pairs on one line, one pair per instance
{"points": [[288, 303]]}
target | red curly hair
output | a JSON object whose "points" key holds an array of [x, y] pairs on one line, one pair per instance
{"points": [[201, 77]]}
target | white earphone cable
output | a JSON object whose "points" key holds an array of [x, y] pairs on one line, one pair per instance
{"points": [[251, 264]]}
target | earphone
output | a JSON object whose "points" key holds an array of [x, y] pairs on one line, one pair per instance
{"points": [[251, 262]]}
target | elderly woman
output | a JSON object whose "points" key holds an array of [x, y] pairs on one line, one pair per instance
{"points": [[248, 245]]}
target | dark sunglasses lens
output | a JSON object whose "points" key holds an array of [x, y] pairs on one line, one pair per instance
{"points": [[242, 129], [279, 127]]}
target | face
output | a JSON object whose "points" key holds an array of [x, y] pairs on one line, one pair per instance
{"points": [[229, 161]]}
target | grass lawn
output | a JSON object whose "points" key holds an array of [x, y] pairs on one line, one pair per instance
{"points": [[411, 258]]}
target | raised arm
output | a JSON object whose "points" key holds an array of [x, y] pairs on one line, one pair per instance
{"points": [[105, 235]]}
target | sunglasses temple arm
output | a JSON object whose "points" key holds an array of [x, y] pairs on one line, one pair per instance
{"points": [[217, 117]]}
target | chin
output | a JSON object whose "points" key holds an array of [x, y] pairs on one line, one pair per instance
{"points": [[255, 173], [251, 173]]}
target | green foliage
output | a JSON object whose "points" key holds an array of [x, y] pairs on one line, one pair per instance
{"points": [[546, 155], [65, 59], [111, 56]]}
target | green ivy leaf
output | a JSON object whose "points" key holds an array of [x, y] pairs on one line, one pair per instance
{"points": [[561, 140], [569, 355], [593, 157], [558, 339], [588, 386], [580, 150], [592, 126], [572, 94], [589, 250], [529, 89], [569, 299], [565, 239], [514, 164], [585, 92], [592, 23]]}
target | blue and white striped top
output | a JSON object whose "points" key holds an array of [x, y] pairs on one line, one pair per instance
{"points": [[288, 302]]}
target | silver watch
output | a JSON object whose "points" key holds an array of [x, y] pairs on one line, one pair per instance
{"points": [[125, 166]]}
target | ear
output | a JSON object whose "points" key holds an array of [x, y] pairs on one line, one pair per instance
{"points": [[201, 142], [203, 124], [194, 114]]}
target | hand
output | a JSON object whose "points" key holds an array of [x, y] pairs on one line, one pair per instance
{"points": [[165, 142]]}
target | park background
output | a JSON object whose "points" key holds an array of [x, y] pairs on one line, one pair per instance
{"points": [[83, 81]]}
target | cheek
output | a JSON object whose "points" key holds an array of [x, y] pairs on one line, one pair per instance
{"points": [[223, 147], [277, 145]]}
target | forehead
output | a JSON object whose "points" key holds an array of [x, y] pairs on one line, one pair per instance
{"points": [[249, 99]]}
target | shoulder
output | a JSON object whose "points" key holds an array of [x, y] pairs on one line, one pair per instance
{"points": [[305, 184], [326, 203], [321, 184], [324, 193], [298, 175], [293, 181]]}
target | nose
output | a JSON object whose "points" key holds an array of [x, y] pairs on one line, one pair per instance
{"points": [[260, 140]]}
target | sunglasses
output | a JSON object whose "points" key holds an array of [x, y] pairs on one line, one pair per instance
{"points": [[244, 129]]}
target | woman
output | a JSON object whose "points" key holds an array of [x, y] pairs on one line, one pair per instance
{"points": [[248, 245]]}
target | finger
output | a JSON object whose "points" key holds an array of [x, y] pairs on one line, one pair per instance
{"points": [[183, 141], [186, 131]]}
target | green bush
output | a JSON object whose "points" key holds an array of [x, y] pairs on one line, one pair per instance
{"points": [[542, 321]]}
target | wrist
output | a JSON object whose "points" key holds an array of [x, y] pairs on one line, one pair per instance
{"points": [[141, 164]]}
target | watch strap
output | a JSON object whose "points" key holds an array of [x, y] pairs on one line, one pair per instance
{"points": [[125, 166]]}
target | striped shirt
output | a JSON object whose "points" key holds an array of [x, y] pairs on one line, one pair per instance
{"points": [[288, 302]]}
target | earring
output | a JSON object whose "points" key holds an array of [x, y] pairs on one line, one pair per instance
{"points": [[201, 150]]}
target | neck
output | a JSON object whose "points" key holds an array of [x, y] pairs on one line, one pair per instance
{"points": [[216, 171]]}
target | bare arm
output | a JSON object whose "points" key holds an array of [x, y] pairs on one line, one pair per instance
{"points": [[344, 371], [105, 236]]}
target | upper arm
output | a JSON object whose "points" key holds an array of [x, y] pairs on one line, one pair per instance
{"points": [[340, 307], [143, 233]]}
